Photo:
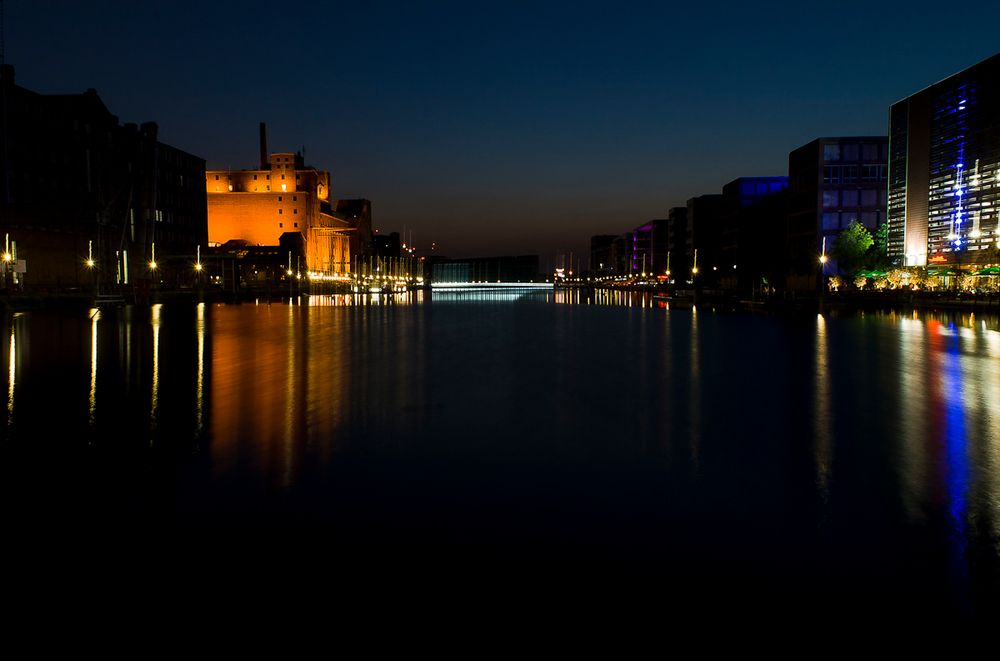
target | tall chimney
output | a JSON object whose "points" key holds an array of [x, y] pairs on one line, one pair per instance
{"points": [[264, 162]]}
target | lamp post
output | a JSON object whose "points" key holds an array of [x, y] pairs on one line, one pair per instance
{"points": [[90, 265], [7, 259], [823, 259]]}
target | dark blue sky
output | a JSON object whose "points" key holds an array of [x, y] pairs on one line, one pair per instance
{"points": [[504, 128]]}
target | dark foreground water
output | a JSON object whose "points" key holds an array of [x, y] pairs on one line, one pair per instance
{"points": [[821, 462]]}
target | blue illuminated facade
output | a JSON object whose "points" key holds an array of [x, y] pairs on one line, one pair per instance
{"points": [[944, 171]]}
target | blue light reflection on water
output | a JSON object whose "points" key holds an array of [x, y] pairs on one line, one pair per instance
{"points": [[957, 470], [670, 435]]}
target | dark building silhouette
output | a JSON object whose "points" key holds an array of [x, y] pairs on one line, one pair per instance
{"points": [[86, 201], [601, 265], [677, 238], [238, 266], [359, 213], [753, 232], [703, 248], [944, 170], [386, 246], [832, 182], [621, 251], [647, 247]]}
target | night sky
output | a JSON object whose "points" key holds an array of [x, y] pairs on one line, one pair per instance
{"points": [[511, 128]]}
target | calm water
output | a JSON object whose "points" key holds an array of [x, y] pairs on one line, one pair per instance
{"points": [[828, 459]]}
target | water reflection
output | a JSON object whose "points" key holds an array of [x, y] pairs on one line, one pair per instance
{"points": [[915, 384], [95, 317], [543, 421], [605, 297], [155, 390], [11, 375], [694, 422], [822, 416], [488, 295], [955, 468], [200, 388]]}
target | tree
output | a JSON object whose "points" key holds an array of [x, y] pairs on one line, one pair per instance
{"points": [[851, 247], [878, 254]]}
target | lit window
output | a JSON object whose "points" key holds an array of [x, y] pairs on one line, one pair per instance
{"points": [[283, 187]]}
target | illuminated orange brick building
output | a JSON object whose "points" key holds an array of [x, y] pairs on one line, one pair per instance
{"points": [[285, 197]]}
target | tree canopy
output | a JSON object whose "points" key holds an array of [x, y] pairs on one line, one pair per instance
{"points": [[851, 247]]}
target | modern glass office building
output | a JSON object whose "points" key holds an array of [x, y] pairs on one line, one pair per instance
{"points": [[944, 171]]}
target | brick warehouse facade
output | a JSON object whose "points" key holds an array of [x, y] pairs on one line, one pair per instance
{"points": [[284, 198]]}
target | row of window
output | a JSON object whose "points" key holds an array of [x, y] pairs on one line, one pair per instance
{"points": [[849, 174], [856, 152], [282, 224], [854, 197], [294, 211], [266, 176]]}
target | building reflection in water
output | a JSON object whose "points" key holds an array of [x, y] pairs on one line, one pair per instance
{"points": [[281, 392], [950, 424], [11, 374], [612, 297], [915, 384], [279, 386], [154, 399], [297, 346], [950, 410], [694, 420], [95, 317], [822, 413], [200, 383]]}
